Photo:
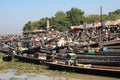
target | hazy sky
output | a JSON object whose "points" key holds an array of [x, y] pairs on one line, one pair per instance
{"points": [[15, 13]]}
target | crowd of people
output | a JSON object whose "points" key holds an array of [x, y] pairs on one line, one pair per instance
{"points": [[55, 38]]}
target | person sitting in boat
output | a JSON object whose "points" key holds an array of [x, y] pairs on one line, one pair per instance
{"points": [[61, 42], [70, 62], [106, 35], [33, 41], [19, 44], [71, 59], [75, 62]]}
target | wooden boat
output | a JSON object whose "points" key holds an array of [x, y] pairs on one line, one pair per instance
{"points": [[87, 69], [31, 56], [29, 59], [109, 56], [7, 58], [99, 60], [111, 43], [103, 57]]}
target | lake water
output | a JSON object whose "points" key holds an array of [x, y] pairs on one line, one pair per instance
{"points": [[53, 75]]}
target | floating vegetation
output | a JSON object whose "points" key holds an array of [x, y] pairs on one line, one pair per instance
{"points": [[1, 55], [21, 67], [13, 78]]}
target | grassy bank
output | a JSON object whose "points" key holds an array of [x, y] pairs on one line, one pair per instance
{"points": [[20, 66]]}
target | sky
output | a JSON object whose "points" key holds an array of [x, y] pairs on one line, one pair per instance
{"points": [[14, 14]]}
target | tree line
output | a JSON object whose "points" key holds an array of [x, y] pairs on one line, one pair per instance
{"points": [[61, 20]]}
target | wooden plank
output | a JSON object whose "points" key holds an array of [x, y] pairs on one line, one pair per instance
{"points": [[111, 42], [114, 50], [113, 47], [106, 67]]}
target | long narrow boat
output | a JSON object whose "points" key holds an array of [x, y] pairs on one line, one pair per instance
{"points": [[109, 56], [87, 69], [31, 55], [106, 58], [100, 58], [29, 59]]}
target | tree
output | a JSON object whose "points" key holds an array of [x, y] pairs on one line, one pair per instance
{"points": [[60, 18], [53, 21], [75, 16], [94, 17], [60, 21], [42, 23], [60, 15], [114, 15], [30, 26]]}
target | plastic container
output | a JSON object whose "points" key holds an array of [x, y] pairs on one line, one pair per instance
{"points": [[81, 51], [105, 49], [91, 51]]}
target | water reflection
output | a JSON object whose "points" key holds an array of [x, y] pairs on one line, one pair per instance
{"points": [[13, 75]]}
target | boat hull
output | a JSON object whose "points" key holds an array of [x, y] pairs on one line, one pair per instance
{"points": [[29, 59], [94, 71]]}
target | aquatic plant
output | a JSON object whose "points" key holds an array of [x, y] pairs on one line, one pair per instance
{"points": [[21, 67], [1, 55], [13, 78]]}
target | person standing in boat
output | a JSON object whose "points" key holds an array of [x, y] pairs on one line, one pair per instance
{"points": [[14, 44], [106, 35], [60, 43], [19, 44], [33, 41]]}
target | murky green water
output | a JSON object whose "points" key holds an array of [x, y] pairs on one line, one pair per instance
{"points": [[53, 75]]}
